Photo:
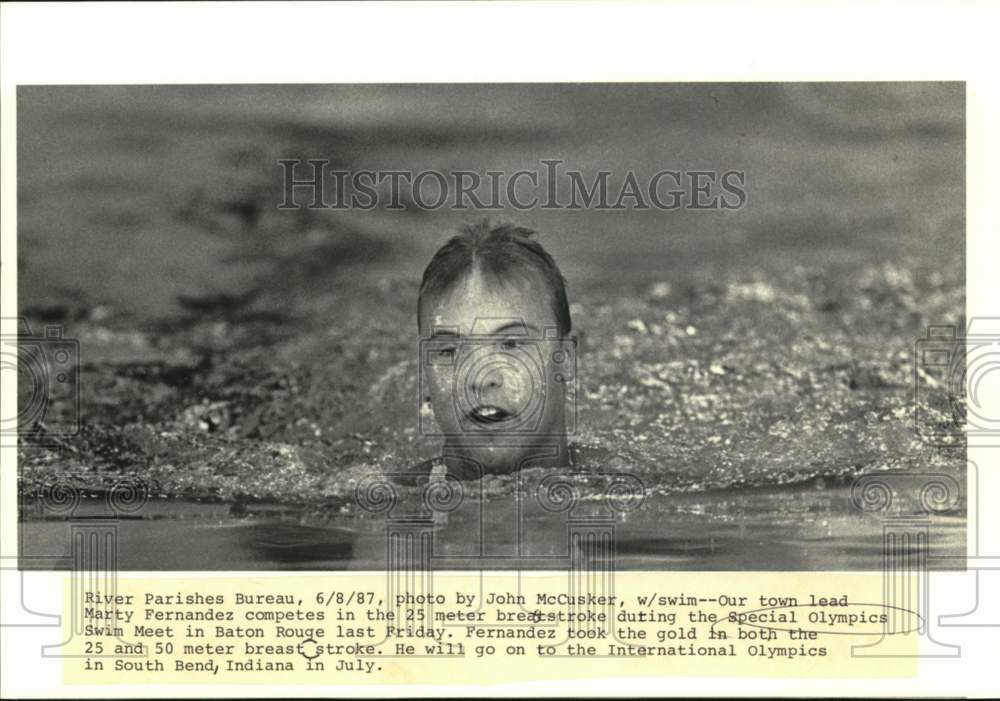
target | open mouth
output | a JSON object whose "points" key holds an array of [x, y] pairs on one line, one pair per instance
{"points": [[489, 414]]}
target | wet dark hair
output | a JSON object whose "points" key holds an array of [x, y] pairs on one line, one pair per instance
{"points": [[505, 254]]}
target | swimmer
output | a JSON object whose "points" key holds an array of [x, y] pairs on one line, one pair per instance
{"points": [[497, 354]]}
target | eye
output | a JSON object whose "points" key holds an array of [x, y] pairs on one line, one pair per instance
{"points": [[510, 344], [442, 356]]}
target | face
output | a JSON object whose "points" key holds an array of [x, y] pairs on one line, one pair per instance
{"points": [[496, 374]]}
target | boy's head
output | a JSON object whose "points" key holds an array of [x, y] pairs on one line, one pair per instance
{"points": [[497, 353]]}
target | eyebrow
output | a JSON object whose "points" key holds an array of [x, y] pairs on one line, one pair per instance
{"points": [[516, 325]]}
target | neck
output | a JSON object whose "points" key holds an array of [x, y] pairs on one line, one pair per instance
{"points": [[467, 460]]}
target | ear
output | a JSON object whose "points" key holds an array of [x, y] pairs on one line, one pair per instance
{"points": [[570, 341], [426, 409], [576, 338]]}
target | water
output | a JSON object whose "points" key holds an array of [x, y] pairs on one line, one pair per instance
{"points": [[235, 355], [798, 528]]}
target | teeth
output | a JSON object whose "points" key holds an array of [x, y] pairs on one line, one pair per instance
{"points": [[489, 413]]}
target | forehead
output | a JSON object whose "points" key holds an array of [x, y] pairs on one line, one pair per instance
{"points": [[494, 305]]}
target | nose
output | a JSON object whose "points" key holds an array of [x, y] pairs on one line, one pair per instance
{"points": [[496, 384], [494, 379], [490, 385], [489, 381]]}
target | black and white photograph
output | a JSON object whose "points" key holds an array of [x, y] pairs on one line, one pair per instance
{"points": [[265, 325], [420, 349]]}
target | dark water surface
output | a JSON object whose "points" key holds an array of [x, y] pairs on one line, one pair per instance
{"points": [[235, 354], [795, 528]]}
